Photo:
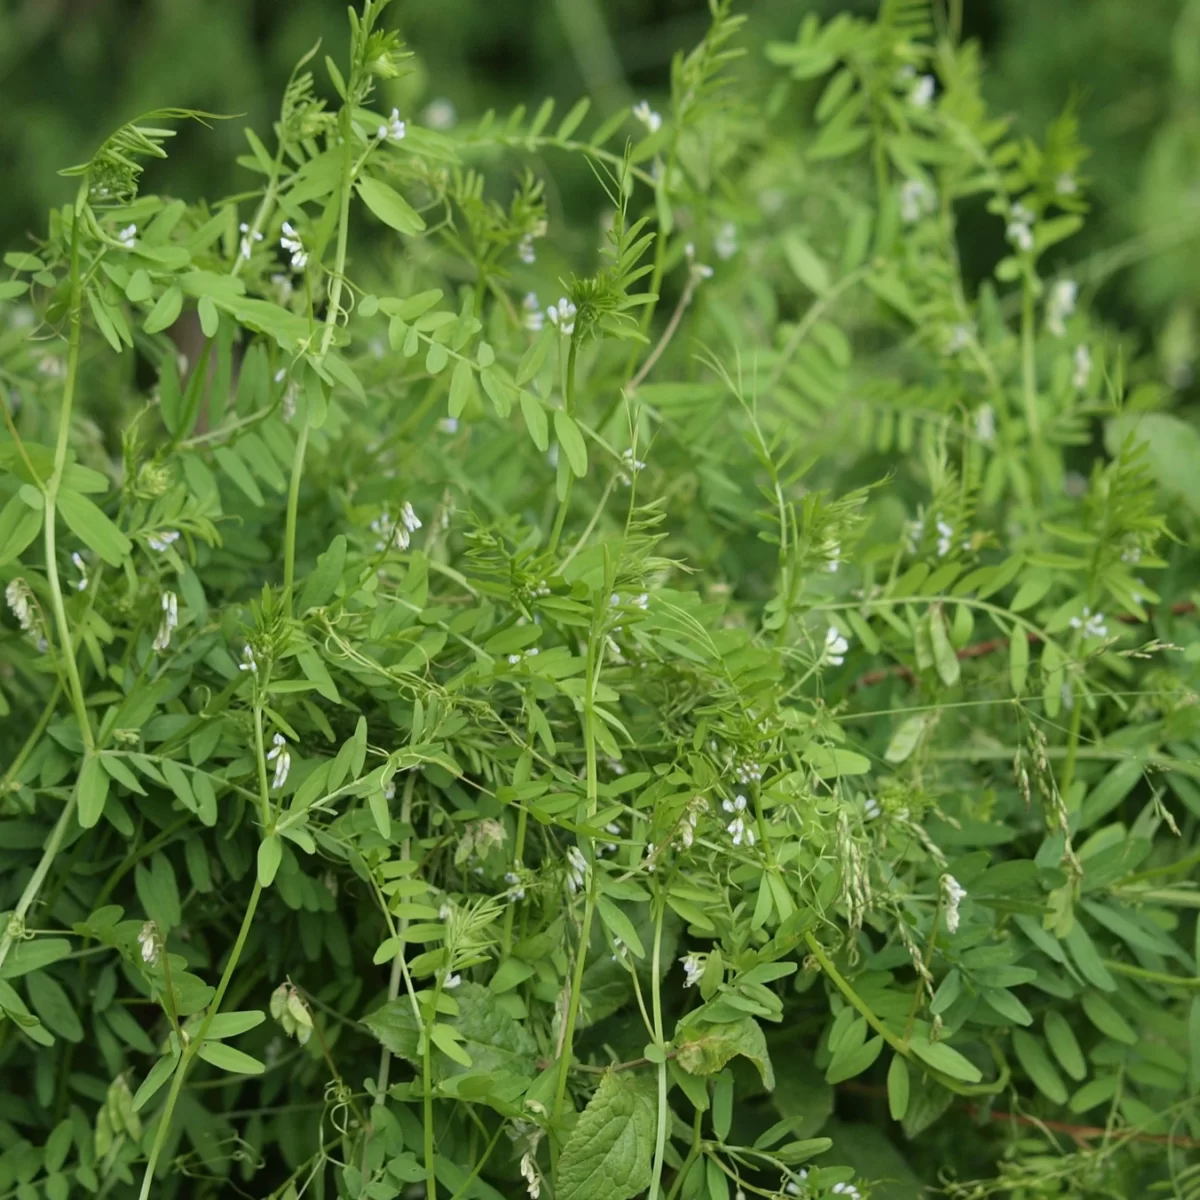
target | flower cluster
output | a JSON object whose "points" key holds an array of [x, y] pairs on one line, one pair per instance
{"points": [[953, 894], [693, 968], [249, 237], [150, 943], [748, 772], [1061, 305], [281, 756], [290, 241], [648, 117], [396, 533], [82, 582], [1019, 230], [392, 130], [249, 662], [169, 623], [917, 199], [562, 316], [289, 1009], [737, 829], [1092, 624], [577, 868], [630, 466], [532, 317], [835, 646], [127, 237], [160, 541], [20, 600], [513, 659]]}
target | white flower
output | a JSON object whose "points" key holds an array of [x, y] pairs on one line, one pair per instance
{"points": [[871, 808], [846, 1189], [1091, 623], [532, 318], [290, 240], [985, 424], [748, 772], [832, 550], [630, 466], [82, 582], [562, 316], [693, 968], [1021, 236], [127, 236], [699, 270], [411, 521], [282, 758], [739, 831], [945, 536], [917, 199], [921, 92], [20, 600], [953, 894], [736, 805], [1083, 367], [835, 646], [526, 251], [170, 620], [452, 981], [577, 868], [249, 237], [249, 662], [283, 287], [648, 117], [529, 1172], [448, 425], [393, 129], [1061, 305], [1131, 555], [960, 337], [725, 244], [148, 939], [160, 541], [440, 114]]}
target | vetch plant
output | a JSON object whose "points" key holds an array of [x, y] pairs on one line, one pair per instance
{"points": [[629, 726]]}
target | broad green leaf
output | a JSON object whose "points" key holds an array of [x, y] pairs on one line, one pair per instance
{"points": [[389, 206], [33, 954], [158, 1075], [462, 387], [321, 584], [946, 1059], [944, 657], [1038, 1066], [1064, 1044], [50, 1001], [897, 1087], [608, 1154], [445, 1040], [535, 420], [705, 1049], [19, 525], [165, 311], [1018, 660], [93, 528], [1106, 1019], [270, 854], [228, 1058], [571, 441], [230, 1024], [93, 791]]}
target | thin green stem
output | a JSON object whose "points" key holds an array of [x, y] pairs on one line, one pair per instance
{"points": [[569, 394], [1029, 387], [293, 507], [660, 1137], [693, 1154], [193, 1047]]}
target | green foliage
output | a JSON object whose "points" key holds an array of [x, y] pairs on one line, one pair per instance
{"points": [[530, 711]]}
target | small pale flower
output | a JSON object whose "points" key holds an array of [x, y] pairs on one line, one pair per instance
{"points": [[630, 466], [698, 270], [953, 894], [648, 117], [448, 425], [1083, 368], [249, 662], [249, 237], [290, 240], [127, 237], [393, 129], [440, 114], [737, 829], [960, 338], [170, 621], [1065, 184], [410, 519], [529, 1172], [160, 541], [921, 92], [693, 968], [452, 981], [283, 287], [20, 600], [82, 582], [748, 772], [736, 805], [1131, 554], [1061, 305], [725, 244], [945, 537], [845, 1189], [532, 317], [562, 316], [1092, 624], [835, 646], [871, 808], [282, 758], [917, 199], [148, 940], [985, 424], [526, 251], [1020, 234], [577, 868], [833, 555]]}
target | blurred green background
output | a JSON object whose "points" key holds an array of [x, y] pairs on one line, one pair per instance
{"points": [[71, 70]]}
